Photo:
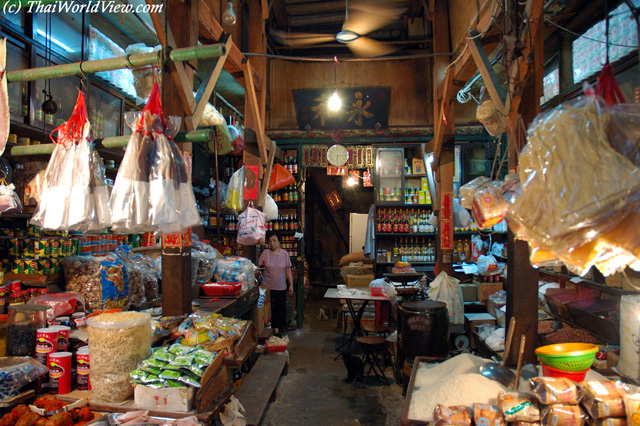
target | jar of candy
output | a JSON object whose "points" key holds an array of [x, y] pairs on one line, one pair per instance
{"points": [[22, 325]]}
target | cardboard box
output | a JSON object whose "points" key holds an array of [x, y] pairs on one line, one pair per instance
{"points": [[164, 399], [484, 290], [469, 292], [359, 280]]}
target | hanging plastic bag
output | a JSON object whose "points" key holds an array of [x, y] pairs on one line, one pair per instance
{"points": [[469, 189], [238, 142], [222, 139], [487, 265], [251, 227], [489, 206], [270, 209], [235, 191], [280, 177], [461, 217], [608, 88], [74, 194], [9, 200], [144, 77], [210, 116], [445, 289]]}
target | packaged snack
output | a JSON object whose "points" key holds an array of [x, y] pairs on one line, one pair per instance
{"points": [[518, 407], [152, 370], [603, 399], [563, 415], [178, 349], [164, 355], [173, 384], [525, 424], [487, 415], [151, 378], [189, 379], [170, 375], [611, 421], [138, 374], [152, 362], [457, 415], [554, 390], [183, 361]]}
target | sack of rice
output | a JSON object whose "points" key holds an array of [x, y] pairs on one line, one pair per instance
{"points": [[117, 343]]}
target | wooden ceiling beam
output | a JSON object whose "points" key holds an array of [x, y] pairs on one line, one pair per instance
{"points": [[211, 29], [279, 13]]}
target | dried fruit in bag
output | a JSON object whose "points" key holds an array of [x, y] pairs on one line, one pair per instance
{"points": [[603, 398], [563, 415], [487, 415], [518, 407], [554, 390], [457, 415]]}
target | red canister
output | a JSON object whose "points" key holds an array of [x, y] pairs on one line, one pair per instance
{"points": [[59, 364], [63, 335], [82, 368], [46, 343]]}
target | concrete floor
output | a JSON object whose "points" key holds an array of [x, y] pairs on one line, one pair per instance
{"points": [[314, 393]]}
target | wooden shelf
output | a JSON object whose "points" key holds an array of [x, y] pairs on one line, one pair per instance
{"points": [[381, 204], [406, 234], [602, 287]]}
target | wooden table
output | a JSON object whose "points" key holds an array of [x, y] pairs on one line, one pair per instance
{"points": [[349, 295]]}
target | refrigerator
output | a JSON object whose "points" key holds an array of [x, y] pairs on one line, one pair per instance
{"points": [[357, 231]]}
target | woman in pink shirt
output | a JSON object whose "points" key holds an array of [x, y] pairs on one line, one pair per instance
{"points": [[276, 274]]}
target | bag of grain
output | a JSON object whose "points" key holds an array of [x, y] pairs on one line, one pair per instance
{"points": [[457, 415], [611, 421], [554, 390], [487, 415], [117, 343], [603, 399]]}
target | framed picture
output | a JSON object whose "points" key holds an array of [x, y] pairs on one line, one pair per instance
{"points": [[418, 166]]}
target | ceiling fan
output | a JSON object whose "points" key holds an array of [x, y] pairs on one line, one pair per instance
{"points": [[361, 18]]}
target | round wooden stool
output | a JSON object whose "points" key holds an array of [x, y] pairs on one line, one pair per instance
{"points": [[373, 347], [369, 328]]}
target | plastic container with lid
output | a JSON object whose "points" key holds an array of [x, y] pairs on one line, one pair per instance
{"points": [[3, 334], [22, 325]]}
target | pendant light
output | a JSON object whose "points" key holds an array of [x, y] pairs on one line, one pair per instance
{"points": [[334, 102], [229, 16]]}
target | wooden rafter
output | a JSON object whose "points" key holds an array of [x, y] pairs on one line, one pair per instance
{"points": [[493, 85], [264, 143]]}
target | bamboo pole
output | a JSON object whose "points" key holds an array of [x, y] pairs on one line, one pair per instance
{"points": [[199, 136], [133, 61]]}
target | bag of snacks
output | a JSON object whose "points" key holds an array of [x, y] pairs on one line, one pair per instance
{"points": [[487, 415], [563, 415], [609, 421], [603, 399], [103, 282], [518, 407], [16, 372], [457, 415], [554, 390], [144, 77]]}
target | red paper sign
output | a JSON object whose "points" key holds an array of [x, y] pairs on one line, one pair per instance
{"points": [[446, 234], [177, 240], [336, 170], [446, 206], [250, 182], [366, 179]]}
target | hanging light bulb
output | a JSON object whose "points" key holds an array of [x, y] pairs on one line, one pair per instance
{"points": [[229, 16], [334, 103]]}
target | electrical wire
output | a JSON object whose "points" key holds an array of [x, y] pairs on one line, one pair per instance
{"points": [[585, 37], [332, 59]]}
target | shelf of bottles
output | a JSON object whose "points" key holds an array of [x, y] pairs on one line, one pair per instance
{"points": [[400, 221], [285, 222], [286, 195], [290, 245], [417, 250]]}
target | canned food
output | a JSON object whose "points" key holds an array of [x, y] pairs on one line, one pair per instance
{"points": [[13, 138], [31, 267], [18, 233], [15, 247], [27, 248], [41, 248], [23, 140], [44, 267], [33, 231], [55, 266], [17, 266], [54, 247], [66, 247]]}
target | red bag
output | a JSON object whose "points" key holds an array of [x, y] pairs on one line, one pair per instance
{"points": [[280, 177], [608, 88]]}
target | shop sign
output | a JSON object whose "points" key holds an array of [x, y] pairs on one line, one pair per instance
{"points": [[446, 221], [336, 170], [367, 182], [446, 203], [177, 240]]}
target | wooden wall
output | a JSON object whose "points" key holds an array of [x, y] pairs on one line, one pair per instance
{"points": [[410, 83], [462, 16]]}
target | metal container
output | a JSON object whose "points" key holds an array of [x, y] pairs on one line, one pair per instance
{"points": [[424, 328]]}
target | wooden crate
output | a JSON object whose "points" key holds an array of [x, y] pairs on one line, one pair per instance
{"points": [[359, 280]]}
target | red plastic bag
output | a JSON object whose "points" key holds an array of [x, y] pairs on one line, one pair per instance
{"points": [[280, 177], [608, 88]]}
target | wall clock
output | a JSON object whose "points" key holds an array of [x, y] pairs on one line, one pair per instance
{"points": [[337, 155]]}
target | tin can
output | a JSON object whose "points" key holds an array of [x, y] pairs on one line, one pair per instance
{"points": [[46, 343], [15, 247], [55, 266], [27, 248], [31, 267], [83, 368], [54, 247], [66, 247], [33, 231], [41, 248], [59, 364], [17, 266], [23, 140], [18, 233], [13, 138], [44, 266]]}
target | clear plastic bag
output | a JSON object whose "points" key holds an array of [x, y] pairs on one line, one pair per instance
{"points": [[489, 206], [144, 77], [9, 200], [235, 191], [143, 280], [235, 269], [60, 303], [596, 222], [74, 194], [251, 227], [16, 372], [469, 189]]}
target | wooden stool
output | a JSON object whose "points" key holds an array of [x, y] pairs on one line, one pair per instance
{"points": [[369, 328], [373, 347]]}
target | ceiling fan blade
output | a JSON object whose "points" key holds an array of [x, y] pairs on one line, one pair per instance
{"points": [[366, 47], [365, 17], [301, 39]]}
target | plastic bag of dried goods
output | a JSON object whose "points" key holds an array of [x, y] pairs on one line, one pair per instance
{"points": [[571, 144], [488, 206], [74, 194], [143, 77], [16, 372], [251, 227], [554, 390], [9, 200], [469, 189], [445, 289]]}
